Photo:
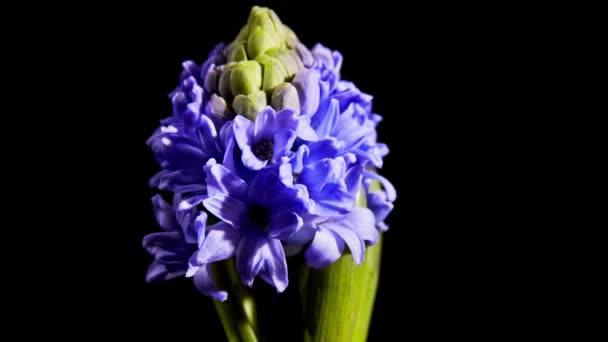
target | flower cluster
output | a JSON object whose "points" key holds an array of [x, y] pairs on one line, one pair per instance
{"points": [[266, 154]]}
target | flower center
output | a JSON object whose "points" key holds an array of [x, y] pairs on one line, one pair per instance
{"points": [[263, 149], [258, 215]]}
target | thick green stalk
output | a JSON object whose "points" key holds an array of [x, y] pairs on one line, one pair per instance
{"points": [[367, 274], [339, 299], [237, 313]]}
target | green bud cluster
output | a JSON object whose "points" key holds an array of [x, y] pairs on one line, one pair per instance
{"points": [[261, 62]]}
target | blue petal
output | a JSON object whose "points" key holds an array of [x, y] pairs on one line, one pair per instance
{"points": [[274, 270], [268, 191], [283, 141], [220, 180], [264, 126], [299, 158], [391, 193], [190, 202], [362, 222], [180, 181], [250, 160], [243, 131], [158, 271], [304, 130], [164, 213], [326, 118], [306, 81], [167, 247], [198, 235], [353, 178], [325, 249], [380, 206], [203, 281], [286, 172], [283, 225], [316, 175], [332, 200], [297, 241], [250, 255], [228, 209], [325, 148], [219, 244], [355, 244], [285, 119]]}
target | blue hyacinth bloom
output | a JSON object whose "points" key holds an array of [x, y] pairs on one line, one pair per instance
{"points": [[268, 139], [255, 218], [173, 248]]}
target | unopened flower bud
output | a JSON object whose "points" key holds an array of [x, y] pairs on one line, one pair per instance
{"points": [[249, 105], [246, 78], [285, 96]]}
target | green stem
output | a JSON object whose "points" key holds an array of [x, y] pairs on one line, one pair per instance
{"points": [[367, 275], [237, 313], [339, 298]]}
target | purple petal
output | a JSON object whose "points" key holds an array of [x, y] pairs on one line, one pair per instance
{"points": [[200, 223], [319, 173], [228, 209], [268, 190], [286, 119], [164, 213], [168, 248], [158, 271], [391, 193], [355, 244], [220, 180], [332, 200], [283, 141], [264, 125], [325, 249], [283, 225], [297, 241], [353, 178], [243, 131], [250, 255], [361, 221], [190, 202], [286, 172], [219, 244], [326, 118], [300, 156], [326, 148], [203, 280], [304, 130], [378, 204], [306, 82], [250, 160], [274, 270]]}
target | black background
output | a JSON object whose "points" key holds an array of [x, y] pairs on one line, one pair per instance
{"points": [[436, 75]]}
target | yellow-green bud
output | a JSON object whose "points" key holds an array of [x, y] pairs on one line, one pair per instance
{"points": [[246, 78], [259, 41], [238, 53], [224, 82], [288, 58], [249, 105]]}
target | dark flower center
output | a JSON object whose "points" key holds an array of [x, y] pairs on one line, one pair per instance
{"points": [[258, 215], [263, 149]]}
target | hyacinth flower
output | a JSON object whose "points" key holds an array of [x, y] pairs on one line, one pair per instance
{"points": [[272, 161]]}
